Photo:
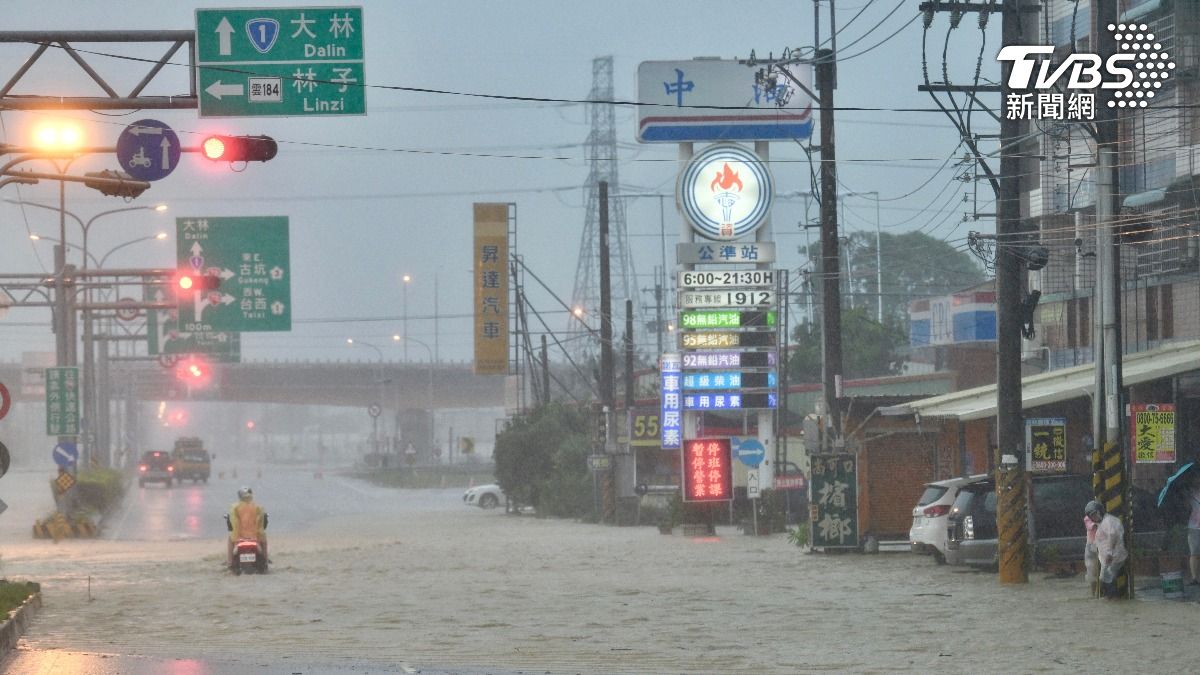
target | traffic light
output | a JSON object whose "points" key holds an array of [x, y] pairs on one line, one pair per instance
{"points": [[115, 183], [187, 282], [239, 148], [193, 371]]}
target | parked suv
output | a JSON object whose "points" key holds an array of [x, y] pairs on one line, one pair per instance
{"points": [[930, 515], [1055, 520], [156, 466]]}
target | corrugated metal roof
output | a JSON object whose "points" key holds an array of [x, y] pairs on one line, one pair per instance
{"points": [[1056, 385]]}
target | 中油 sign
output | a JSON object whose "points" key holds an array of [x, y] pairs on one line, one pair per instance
{"points": [[715, 100], [280, 61], [1153, 432]]}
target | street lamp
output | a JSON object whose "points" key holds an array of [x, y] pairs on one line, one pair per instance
{"points": [[878, 250], [379, 380], [406, 279], [91, 395], [99, 264], [85, 226]]}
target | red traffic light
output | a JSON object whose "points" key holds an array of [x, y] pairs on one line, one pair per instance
{"points": [[194, 371], [197, 282], [222, 148]]}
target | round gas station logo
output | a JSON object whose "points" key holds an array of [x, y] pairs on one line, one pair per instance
{"points": [[725, 192]]}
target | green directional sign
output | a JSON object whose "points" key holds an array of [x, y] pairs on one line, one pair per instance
{"points": [[164, 337], [62, 401], [250, 257], [280, 61]]}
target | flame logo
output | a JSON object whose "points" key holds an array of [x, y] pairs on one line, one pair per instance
{"points": [[726, 179]]}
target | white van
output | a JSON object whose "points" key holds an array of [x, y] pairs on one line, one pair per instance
{"points": [[930, 516]]}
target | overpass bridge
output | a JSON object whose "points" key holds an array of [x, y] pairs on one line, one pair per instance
{"points": [[394, 385]]}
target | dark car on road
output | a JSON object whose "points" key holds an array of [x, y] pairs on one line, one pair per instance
{"points": [[156, 467], [1055, 520]]}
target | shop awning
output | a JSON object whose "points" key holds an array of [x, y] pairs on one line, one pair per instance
{"points": [[1146, 198], [1056, 385]]}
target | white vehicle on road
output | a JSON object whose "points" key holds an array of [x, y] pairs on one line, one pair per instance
{"points": [[931, 521], [484, 496]]}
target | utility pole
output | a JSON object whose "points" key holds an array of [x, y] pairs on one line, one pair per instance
{"points": [[629, 393], [1111, 483], [545, 373], [1012, 481], [831, 309], [607, 394]]}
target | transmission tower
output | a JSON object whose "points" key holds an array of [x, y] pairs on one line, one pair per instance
{"points": [[602, 161]]}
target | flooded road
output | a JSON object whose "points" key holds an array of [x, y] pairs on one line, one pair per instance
{"points": [[395, 580]]}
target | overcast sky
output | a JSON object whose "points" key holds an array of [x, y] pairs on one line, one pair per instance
{"points": [[371, 198]]}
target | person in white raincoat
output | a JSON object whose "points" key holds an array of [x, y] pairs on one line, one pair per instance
{"points": [[1110, 545]]}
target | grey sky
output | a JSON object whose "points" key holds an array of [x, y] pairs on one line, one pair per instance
{"points": [[395, 196]]}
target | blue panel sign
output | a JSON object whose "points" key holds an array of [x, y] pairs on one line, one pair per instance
{"points": [[728, 380], [671, 420], [148, 150], [729, 401]]}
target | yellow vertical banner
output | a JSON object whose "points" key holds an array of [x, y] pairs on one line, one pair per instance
{"points": [[491, 289]]}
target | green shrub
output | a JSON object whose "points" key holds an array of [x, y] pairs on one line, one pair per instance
{"points": [[799, 535], [98, 490], [13, 593]]}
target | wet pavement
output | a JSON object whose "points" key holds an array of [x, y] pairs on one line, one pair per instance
{"points": [[414, 581]]}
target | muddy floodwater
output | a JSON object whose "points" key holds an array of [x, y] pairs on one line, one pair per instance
{"points": [[451, 587]]}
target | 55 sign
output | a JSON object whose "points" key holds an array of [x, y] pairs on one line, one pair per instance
{"points": [[644, 429]]}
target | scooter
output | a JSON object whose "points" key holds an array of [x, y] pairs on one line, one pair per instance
{"points": [[248, 555]]}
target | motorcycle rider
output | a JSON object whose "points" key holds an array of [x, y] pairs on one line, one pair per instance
{"points": [[247, 521]]}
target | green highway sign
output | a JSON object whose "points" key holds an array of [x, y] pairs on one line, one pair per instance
{"points": [[164, 337], [280, 61], [250, 257], [62, 401]]}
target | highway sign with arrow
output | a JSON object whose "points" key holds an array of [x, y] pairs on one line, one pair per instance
{"points": [[280, 61], [250, 255]]}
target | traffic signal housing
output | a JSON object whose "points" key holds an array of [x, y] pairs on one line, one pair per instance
{"points": [[194, 371], [222, 148], [194, 282], [115, 183]]}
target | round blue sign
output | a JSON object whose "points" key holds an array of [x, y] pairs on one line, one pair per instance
{"points": [[65, 454], [148, 150], [750, 452]]}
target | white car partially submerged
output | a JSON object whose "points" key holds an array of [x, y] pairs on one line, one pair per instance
{"points": [[484, 496], [931, 521]]}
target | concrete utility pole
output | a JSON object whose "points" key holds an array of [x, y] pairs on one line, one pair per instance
{"points": [[607, 380], [1112, 481], [831, 300], [1011, 482]]}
